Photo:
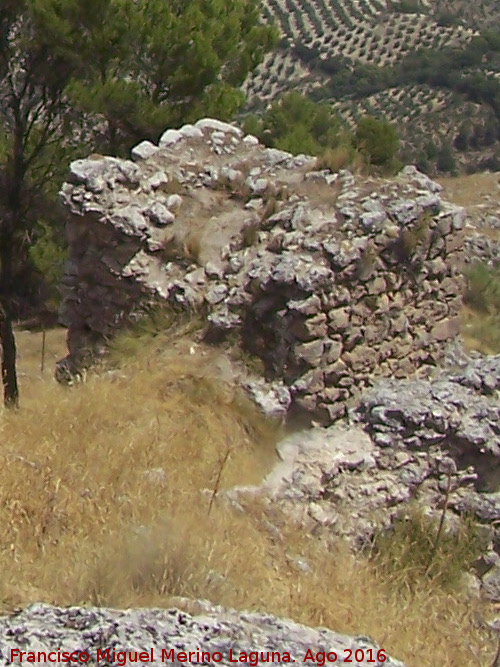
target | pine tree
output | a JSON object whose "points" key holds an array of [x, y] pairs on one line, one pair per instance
{"points": [[33, 118], [127, 68], [144, 65]]}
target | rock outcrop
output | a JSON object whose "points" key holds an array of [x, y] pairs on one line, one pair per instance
{"points": [[113, 637], [432, 443], [329, 278]]}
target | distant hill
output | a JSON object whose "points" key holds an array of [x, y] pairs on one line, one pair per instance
{"points": [[368, 57]]}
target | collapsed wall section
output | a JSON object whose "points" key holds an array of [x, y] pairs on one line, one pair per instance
{"points": [[331, 279]]}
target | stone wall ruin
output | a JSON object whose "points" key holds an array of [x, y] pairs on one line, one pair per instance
{"points": [[331, 279]]}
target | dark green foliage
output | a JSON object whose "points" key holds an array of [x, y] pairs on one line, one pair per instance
{"points": [[422, 163], [446, 19], [446, 68], [492, 38], [48, 255], [490, 163], [305, 53], [463, 139], [445, 160], [34, 121], [359, 80], [430, 150], [408, 7], [299, 125], [450, 68], [468, 71], [148, 65], [377, 140]]}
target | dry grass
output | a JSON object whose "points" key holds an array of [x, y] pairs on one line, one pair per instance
{"points": [[480, 331], [481, 310], [472, 190], [103, 501], [336, 158]]}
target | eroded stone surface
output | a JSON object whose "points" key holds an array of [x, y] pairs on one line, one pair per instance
{"points": [[426, 442], [213, 629]]}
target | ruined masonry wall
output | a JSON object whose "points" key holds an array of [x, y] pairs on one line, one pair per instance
{"points": [[331, 279]]}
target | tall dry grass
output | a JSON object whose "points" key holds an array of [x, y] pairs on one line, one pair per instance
{"points": [[481, 310], [105, 500]]}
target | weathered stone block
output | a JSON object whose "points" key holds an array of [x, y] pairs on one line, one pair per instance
{"points": [[311, 353], [338, 319], [376, 286], [359, 358], [333, 372], [332, 394], [333, 350], [399, 324], [311, 382], [330, 412], [446, 329], [307, 402], [310, 328], [310, 306], [437, 267]]}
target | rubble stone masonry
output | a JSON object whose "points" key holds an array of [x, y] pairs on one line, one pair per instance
{"points": [[331, 279]]}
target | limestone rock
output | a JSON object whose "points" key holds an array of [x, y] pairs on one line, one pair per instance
{"points": [[446, 329], [311, 353], [87, 630], [407, 443], [144, 150], [301, 278], [446, 411], [273, 398]]}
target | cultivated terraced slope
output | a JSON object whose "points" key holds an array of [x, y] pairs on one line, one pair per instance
{"points": [[320, 38]]}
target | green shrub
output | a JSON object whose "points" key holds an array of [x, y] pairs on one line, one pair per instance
{"points": [[297, 124], [378, 140], [446, 19], [446, 160]]}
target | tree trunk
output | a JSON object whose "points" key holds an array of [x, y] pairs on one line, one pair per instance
{"points": [[7, 340], [11, 226], [9, 374]]}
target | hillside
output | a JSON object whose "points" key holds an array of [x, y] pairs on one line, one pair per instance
{"points": [[319, 295], [268, 418], [159, 477], [356, 54], [106, 503]]}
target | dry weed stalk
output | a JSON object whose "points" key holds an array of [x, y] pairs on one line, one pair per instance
{"points": [[450, 471], [222, 465]]}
